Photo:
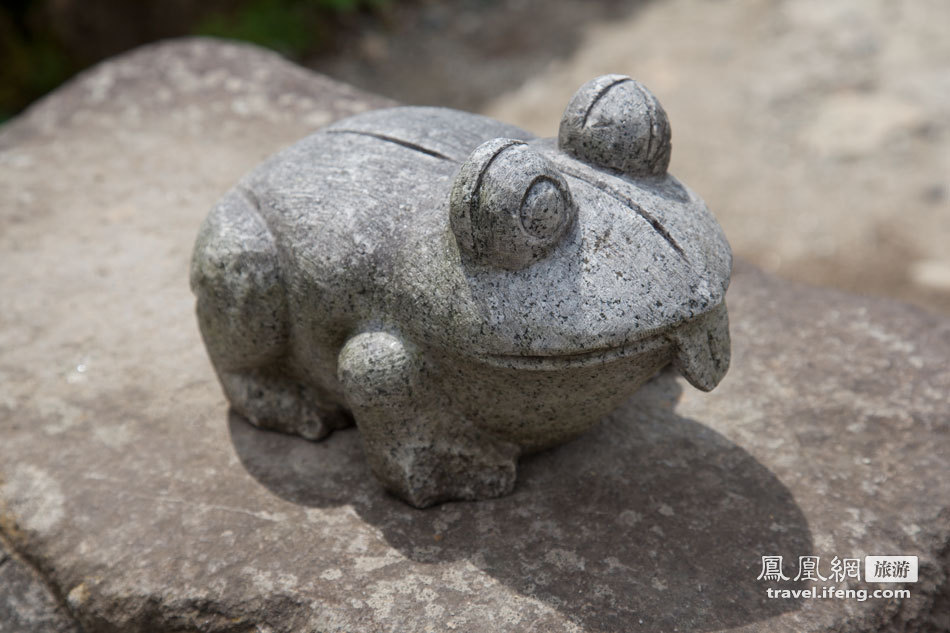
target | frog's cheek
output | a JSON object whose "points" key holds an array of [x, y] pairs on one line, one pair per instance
{"points": [[702, 349]]}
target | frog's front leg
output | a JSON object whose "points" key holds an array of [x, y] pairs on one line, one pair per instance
{"points": [[417, 444]]}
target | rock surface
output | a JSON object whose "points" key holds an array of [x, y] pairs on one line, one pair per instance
{"points": [[146, 507], [26, 604]]}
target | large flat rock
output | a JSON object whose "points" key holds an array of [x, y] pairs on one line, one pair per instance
{"points": [[26, 603], [144, 506]]}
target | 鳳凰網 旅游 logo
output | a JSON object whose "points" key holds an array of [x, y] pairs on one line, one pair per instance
{"points": [[847, 571], [876, 569]]}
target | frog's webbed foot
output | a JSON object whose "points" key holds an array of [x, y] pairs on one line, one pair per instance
{"points": [[417, 445], [272, 400]]}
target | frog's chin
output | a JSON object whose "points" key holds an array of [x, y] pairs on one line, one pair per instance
{"points": [[563, 360]]}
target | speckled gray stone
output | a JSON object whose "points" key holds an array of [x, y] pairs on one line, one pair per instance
{"points": [[464, 291], [147, 507], [618, 124]]}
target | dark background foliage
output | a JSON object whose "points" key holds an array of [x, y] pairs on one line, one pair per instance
{"points": [[44, 42]]}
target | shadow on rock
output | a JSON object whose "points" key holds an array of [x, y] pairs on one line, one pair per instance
{"points": [[650, 519]]}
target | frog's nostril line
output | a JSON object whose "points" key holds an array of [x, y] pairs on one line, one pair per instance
{"points": [[643, 213]]}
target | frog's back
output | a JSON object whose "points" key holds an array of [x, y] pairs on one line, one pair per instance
{"points": [[381, 163], [339, 204], [341, 198]]}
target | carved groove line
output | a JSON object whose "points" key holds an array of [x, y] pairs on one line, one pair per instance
{"points": [[599, 96], [643, 213], [397, 141]]}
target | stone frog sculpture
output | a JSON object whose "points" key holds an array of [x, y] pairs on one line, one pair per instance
{"points": [[464, 291]]}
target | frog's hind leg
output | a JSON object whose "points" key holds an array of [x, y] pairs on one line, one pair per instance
{"points": [[270, 398], [243, 316]]}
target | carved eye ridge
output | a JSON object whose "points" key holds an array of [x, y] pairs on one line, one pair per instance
{"points": [[613, 80], [475, 196], [615, 123]]}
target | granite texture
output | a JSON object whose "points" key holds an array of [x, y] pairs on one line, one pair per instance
{"points": [[145, 506], [466, 292], [615, 122]]}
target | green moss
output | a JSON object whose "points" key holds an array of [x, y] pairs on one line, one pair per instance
{"points": [[32, 65], [292, 27], [276, 24], [34, 61]]}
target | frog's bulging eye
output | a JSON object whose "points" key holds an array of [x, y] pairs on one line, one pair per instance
{"points": [[510, 205], [544, 209], [614, 122]]}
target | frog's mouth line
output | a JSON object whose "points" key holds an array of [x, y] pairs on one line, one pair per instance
{"points": [[584, 358], [699, 349]]}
